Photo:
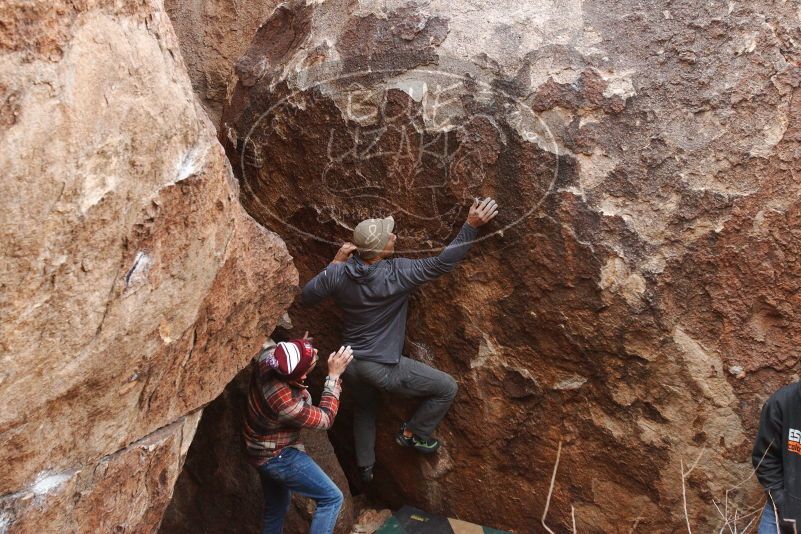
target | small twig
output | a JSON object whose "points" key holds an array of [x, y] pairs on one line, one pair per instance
{"points": [[684, 475], [754, 470], [636, 522], [748, 525], [550, 490], [573, 516], [726, 510], [775, 512], [695, 463], [722, 515], [727, 521], [684, 497], [715, 503], [755, 513], [750, 513]]}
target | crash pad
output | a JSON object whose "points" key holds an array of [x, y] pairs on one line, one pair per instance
{"points": [[410, 520]]}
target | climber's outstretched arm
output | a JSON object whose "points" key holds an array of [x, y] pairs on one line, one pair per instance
{"points": [[412, 273]]}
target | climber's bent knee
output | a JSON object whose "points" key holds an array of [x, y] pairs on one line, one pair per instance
{"points": [[452, 387]]}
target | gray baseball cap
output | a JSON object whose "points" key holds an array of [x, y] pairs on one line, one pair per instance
{"points": [[371, 236]]}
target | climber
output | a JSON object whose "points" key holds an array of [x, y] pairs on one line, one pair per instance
{"points": [[777, 460], [278, 406], [373, 291]]}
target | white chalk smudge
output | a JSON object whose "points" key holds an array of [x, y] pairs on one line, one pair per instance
{"points": [[137, 274], [190, 163], [47, 482]]}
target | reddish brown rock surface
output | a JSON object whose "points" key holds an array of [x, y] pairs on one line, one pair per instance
{"points": [[218, 491], [641, 299], [134, 286]]}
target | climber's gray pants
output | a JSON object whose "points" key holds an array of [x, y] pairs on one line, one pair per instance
{"points": [[408, 378]]}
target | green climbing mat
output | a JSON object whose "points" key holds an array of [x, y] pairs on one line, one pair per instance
{"points": [[409, 520]]}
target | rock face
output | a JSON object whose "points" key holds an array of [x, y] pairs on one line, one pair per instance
{"points": [[134, 286], [126, 491], [219, 492], [213, 35], [636, 299]]}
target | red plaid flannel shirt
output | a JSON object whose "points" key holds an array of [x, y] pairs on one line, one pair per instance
{"points": [[277, 411]]}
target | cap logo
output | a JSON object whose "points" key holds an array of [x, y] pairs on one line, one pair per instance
{"points": [[373, 235]]}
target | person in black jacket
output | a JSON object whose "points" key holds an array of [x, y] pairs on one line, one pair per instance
{"points": [[777, 460]]}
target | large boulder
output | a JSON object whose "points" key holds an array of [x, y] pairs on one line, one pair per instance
{"points": [[636, 299], [134, 286], [213, 35]]}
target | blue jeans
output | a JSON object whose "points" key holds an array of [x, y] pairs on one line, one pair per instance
{"points": [[767, 525], [293, 470]]}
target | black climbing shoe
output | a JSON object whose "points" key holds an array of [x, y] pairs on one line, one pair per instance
{"points": [[366, 473], [423, 445], [402, 440]]}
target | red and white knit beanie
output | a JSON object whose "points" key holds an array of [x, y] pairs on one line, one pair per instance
{"points": [[290, 358]]}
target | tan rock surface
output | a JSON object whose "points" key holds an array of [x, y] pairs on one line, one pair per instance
{"points": [[134, 286], [369, 521], [213, 35], [126, 491], [641, 299]]}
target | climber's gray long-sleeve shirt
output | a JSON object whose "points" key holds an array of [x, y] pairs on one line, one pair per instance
{"points": [[375, 298]]}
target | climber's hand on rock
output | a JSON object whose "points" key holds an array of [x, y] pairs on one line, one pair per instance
{"points": [[338, 361], [482, 212], [344, 253]]}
